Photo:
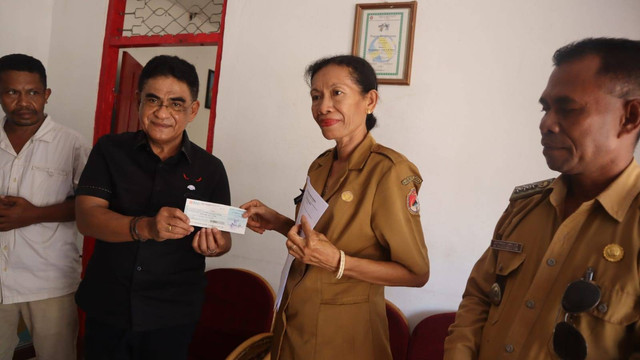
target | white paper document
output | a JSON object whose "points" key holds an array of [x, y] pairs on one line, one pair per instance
{"points": [[211, 215], [312, 207]]}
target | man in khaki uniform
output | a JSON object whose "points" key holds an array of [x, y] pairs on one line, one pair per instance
{"points": [[582, 228]]}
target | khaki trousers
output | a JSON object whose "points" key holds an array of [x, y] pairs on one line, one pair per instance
{"points": [[52, 323]]}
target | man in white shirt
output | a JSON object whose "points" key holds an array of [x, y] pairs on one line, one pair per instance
{"points": [[40, 165]]}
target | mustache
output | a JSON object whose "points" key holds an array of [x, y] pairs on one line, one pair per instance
{"points": [[23, 109]]}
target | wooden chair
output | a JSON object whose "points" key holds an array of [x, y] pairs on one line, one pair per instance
{"points": [[427, 339], [238, 305], [398, 332], [257, 347]]}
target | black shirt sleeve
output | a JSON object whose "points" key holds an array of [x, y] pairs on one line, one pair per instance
{"points": [[220, 193], [96, 179]]}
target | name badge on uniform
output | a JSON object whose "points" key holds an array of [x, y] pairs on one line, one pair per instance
{"points": [[506, 246]]}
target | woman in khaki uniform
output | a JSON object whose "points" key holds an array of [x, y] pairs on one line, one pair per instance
{"points": [[333, 305]]}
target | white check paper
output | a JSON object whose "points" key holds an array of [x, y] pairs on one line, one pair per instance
{"points": [[211, 215], [312, 207]]}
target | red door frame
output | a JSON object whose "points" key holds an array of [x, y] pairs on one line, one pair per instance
{"points": [[113, 42]]}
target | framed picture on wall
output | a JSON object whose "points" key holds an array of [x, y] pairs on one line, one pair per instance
{"points": [[207, 99], [383, 35]]}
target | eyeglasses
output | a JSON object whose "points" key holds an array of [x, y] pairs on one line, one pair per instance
{"points": [[172, 106], [580, 296]]}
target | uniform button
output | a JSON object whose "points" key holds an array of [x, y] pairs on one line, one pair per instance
{"points": [[139, 268], [5, 269], [5, 248], [603, 308], [14, 179], [551, 261], [530, 304], [509, 348]]}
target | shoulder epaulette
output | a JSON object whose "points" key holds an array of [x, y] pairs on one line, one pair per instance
{"points": [[393, 155], [524, 191]]}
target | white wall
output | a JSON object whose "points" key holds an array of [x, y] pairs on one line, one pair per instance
{"points": [[27, 27], [469, 119], [66, 35], [75, 53]]}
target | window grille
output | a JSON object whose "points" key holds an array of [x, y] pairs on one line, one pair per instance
{"points": [[172, 17]]}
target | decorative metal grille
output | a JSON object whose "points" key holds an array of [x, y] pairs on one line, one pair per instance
{"points": [[162, 17]]}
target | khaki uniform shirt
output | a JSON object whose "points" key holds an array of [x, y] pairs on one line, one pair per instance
{"points": [[554, 254], [374, 214]]}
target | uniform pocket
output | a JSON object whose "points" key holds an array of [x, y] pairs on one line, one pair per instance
{"points": [[50, 171], [345, 292], [613, 317], [617, 307], [49, 185], [508, 263]]}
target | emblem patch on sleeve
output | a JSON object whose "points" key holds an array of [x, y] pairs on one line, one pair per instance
{"points": [[412, 202], [410, 179]]}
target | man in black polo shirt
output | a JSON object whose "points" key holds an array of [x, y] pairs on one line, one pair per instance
{"points": [[143, 287]]}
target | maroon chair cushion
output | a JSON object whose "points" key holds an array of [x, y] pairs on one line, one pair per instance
{"points": [[427, 339], [238, 305], [398, 332]]}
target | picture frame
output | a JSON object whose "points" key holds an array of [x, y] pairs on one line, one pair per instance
{"points": [[383, 35], [207, 99]]}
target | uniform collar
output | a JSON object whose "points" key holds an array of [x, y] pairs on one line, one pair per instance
{"points": [[357, 159], [615, 199], [319, 171], [619, 195], [44, 132], [361, 153], [186, 149]]}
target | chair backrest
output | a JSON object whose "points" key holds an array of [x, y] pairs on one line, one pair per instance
{"points": [[398, 332], [427, 339], [238, 305]]}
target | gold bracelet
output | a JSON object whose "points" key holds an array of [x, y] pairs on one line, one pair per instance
{"points": [[341, 269]]}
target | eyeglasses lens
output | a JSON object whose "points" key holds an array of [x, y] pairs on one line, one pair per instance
{"points": [[580, 296], [568, 343]]}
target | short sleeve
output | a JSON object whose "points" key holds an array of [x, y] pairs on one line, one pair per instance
{"points": [[221, 193], [96, 179], [81, 150], [396, 217]]}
